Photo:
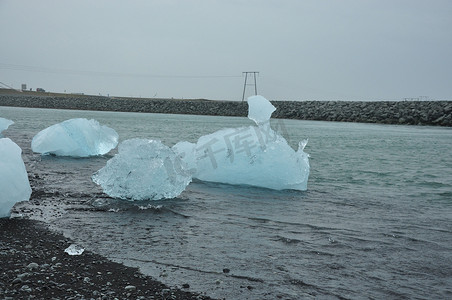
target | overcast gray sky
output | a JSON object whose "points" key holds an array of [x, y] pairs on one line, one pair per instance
{"points": [[303, 49]]}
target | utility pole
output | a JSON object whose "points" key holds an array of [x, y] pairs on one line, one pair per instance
{"points": [[245, 84]]}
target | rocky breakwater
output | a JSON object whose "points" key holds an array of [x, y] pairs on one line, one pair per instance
{"points": [[437, 113], [385, 112], [170, 106]]}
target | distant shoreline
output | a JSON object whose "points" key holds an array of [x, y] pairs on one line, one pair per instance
{"points": [[436, 113]]}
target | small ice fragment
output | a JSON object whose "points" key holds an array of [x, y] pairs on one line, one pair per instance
{"points": [[14, 184], [143, 169], [259, 109], [4, 124], [302, 144], [74, 250], [75, 137]]}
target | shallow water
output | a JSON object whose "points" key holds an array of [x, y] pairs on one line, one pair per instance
{"points": [[374, 223]]}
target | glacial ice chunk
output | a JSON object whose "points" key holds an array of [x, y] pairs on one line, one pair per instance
{"points": [[75, 137], [4, 124], [259, 109], [14, 184], [254, 155], [143, 169]]}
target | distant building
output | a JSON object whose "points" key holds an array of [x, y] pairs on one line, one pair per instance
{"points": [[24, 86]]}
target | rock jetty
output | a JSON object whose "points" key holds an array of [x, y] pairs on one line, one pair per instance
{"points": [[437, 113]]}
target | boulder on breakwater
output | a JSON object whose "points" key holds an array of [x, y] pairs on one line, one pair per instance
{"points": [[386, 112]]}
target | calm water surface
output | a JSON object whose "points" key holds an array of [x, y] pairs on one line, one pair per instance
{"points": [[376, 221]]}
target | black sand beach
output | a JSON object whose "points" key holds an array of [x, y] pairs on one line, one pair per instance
{"points": [[33, 265]]}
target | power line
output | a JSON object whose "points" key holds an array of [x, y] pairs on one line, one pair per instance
{"points": [[26, 68], [10, 87]]}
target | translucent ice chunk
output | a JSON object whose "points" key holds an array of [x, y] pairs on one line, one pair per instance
{"points": [[75, 137], [259, 109], [74, 250], [143, 169], [4, 124], [14, 184], [254, 155]]}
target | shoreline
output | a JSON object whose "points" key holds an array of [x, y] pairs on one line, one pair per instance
{"points": [[432, 113], [34, 265]]}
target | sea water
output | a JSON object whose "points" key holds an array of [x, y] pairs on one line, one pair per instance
{"points": [[375, 222]]}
